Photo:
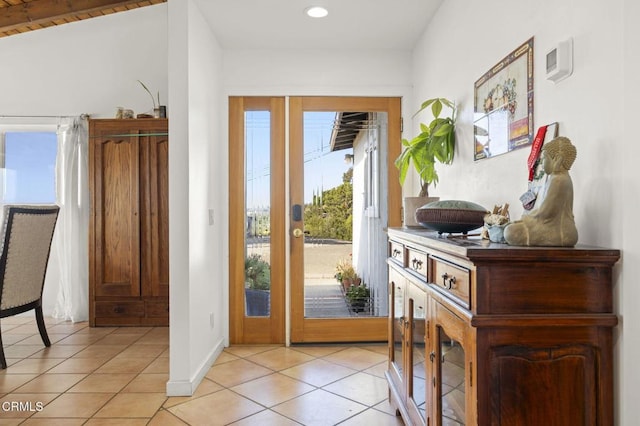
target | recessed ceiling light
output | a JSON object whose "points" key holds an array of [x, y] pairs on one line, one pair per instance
{"points": [[316, 11]]}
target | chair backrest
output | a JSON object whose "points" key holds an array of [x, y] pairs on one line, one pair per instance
{"points": [[27, 233]]}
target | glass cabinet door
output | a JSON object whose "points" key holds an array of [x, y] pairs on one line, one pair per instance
{"points": [[418, 320], [451, 375], [397, 288]]}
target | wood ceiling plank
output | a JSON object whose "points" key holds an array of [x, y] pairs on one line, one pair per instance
{"points": [[16, 14]]}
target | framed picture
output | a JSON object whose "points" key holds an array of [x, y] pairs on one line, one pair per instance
{"points": [[503, 105]]}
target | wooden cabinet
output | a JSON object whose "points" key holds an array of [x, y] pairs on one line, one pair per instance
{"points": [[510, 336], [129, 222]]}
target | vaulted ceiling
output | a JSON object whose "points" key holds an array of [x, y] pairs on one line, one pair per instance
{"points": [[19, 16]]}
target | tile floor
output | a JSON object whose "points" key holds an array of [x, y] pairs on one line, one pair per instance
{"points": [[117, 376]]}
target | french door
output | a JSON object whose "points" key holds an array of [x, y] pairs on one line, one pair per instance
{"points": [[257, 231], [292, 222]]}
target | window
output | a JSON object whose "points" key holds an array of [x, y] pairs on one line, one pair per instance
{"points": [[27, 166]]}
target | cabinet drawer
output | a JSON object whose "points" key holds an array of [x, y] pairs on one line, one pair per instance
{"points": [[396, 251], [452, 279], [417, 262], [157, 309], [120, 309]]}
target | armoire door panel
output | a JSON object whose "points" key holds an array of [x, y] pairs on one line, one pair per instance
{"points": [[154, 165], [118, 250]]}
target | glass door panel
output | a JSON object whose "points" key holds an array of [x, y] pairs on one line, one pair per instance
{"points": [[343, 220], [419, 314], [257, 267], [452, 380]]}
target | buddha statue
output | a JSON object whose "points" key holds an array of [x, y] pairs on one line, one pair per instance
{"points": [[552, 223]]}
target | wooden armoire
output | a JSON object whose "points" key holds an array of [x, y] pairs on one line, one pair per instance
{"points": [[129, 222]]}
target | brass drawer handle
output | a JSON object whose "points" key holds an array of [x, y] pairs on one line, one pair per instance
{"points": [[448, 281], [416, 264], [396, 253]]}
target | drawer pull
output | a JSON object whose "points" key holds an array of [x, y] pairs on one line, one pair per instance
{"points": [[416, 264], [448, 281], [432, 356], [395, 253], [118, 310]]}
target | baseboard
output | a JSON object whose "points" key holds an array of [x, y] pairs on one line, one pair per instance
{"points": [[188, 387]]}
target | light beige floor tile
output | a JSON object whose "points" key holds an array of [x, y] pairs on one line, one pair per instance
{"points": [[75, 405], [34, 365], [50, 383], [9, 382], [319, 351], [265, 418], [280, 358], [205, 387], [26, 328], [165, 418], [318, 372], [140, 331], [105, 383], [148, 383], [236, 372], [386, 407], [53, 422], [58, 351], [36, 339], [31, 403], [319, 408], [361, 387], [219, 408], [119, 339], [66, 327], [142, 351], [381, 348], [378, 369], [225, 357], [78, 365], [373, 417], [11, 339], [116, 422], [22, 351], [158, 365], [150, 339], [356, 358], [98, 350], [272, 389], [133, 405], [125, 365], [243, 351], [80, 338]]}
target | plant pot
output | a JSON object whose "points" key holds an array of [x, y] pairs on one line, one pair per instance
{"points": [[411, 204]]}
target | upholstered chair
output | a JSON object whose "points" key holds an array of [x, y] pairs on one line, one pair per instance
{"points": [[27, 231]]}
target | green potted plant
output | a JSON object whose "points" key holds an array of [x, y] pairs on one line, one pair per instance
{"points": [[346, 274], [358, 296], [435, 142], [257, 273]]}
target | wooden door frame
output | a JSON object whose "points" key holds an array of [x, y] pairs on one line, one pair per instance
{"points": [[243, 329], [334, 329]]}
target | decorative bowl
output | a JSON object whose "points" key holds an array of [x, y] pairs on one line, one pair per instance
{"points": [[451, 216]]}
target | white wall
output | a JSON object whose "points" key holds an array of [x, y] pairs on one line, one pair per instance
{"points": [[468, 38], [627, 289], [84, 67], [198, 291]]}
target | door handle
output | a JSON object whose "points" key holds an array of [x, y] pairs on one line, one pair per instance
{"points": [[297, 232]]}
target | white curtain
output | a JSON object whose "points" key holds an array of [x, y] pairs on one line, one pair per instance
{"points": [[71, 244]]}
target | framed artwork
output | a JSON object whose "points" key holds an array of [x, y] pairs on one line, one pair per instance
{"points": [[503, 105]]}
